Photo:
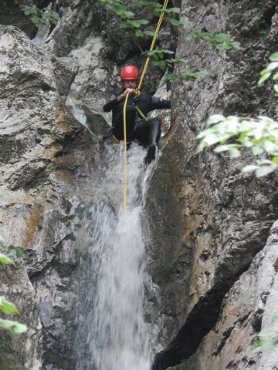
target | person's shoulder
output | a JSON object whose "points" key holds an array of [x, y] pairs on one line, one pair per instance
{"points": [[144, 94], [115, 94]]}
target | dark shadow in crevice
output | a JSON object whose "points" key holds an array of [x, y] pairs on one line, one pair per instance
{"points": [[199, 322], [201, 319]]}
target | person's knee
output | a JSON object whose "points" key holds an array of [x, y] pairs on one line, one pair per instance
{"points": [[155, 122]]}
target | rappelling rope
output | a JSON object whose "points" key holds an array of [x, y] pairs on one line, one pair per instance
{"points": [[138, 93], [153, 43], [125, 154]]}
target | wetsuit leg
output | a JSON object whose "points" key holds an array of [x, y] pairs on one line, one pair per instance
{"points": [[148, 133], [118, 129], [155, 131]]}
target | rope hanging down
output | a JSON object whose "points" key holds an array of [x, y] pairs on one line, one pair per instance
{"points": [[125, 154], [138, 92]]}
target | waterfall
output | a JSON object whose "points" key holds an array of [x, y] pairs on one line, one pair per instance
{"points": [[111, 333], [42, 35], [77, 111]]}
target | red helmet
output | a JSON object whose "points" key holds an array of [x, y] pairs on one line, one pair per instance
{"points": [[129, 73]]}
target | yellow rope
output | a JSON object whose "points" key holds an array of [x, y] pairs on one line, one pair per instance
{"points": [[153, 42], [125, 155], [138, 90]]}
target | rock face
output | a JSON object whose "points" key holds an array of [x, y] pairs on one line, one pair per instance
{"points": [[212, 232], [219, 219], [45, 157], [12, 14]]}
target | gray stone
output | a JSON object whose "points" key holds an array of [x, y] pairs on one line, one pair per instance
{"points": [[206, 224], [208, 221]]}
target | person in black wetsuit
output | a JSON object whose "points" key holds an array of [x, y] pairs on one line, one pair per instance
{"points": [[147, 132]]}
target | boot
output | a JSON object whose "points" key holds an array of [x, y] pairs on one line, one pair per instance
{"points": [[150, 154]]}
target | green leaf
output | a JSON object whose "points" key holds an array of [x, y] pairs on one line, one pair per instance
{"points": [[275, 159], [220, 41], [236, 45], [171, 76], [192, 76], [222, 148], [249, 168], [175, 61], [215, 119], [200, 147], [5, 260], [264, 77], [174, 22], [173, 10], [38, 22], [263, 171], [129, 14], [18, 250], [149, 33], [6, 306], [272, 66], [274, 57], [13, 326], [139, 33], [256, 150], [234, 153], [268, 146], [159, 52], [28, 10], [159, 63], [211, 139]]}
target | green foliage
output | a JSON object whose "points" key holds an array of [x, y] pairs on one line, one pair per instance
{"points": [[20, 252], [13, 326], [5, 260], [268, 338], [259, 135], [219, 41], [40, 17], [7, 307], [271, 71], [137, 28], [126, 14], [158, 57], [159, 60]]}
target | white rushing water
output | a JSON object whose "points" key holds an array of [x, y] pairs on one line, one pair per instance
{"points": [[112, 333], [77, 112]]}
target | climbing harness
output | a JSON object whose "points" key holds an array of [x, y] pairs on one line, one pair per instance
{"points": [[138, 93], [141, 114]]}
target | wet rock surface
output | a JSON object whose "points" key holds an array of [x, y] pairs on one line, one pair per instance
{"points": [[212, 248], [45, 156], [248, 308], [219, 219]]}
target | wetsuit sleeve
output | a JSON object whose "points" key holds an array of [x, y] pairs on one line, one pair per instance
{"points": [[111, 104], [160, 104]]}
